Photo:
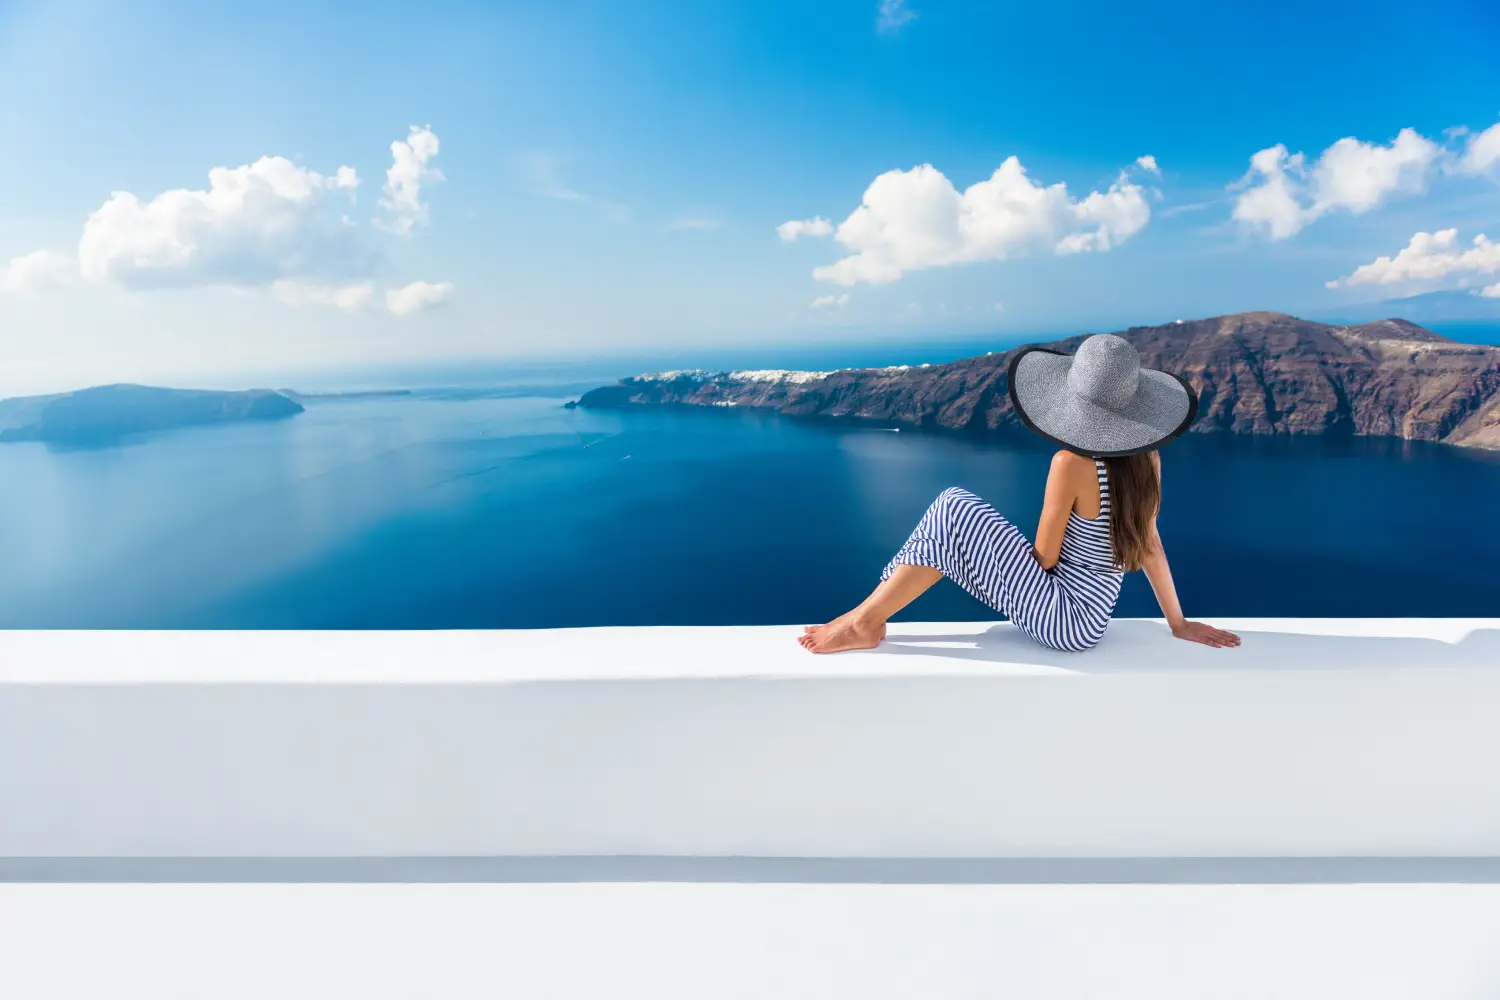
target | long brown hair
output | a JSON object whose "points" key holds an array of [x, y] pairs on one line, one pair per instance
{"points": [[1134, 498]]}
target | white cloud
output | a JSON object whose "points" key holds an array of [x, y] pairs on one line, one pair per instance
{"points": [[1109, 217], [1492, 292], [253, 225], [540, 171], [1148, 164], [791, 231], [913, 219], [1358, 176], [271, 225], [36, 270], [417, 296], [402, 190], [1429, 258], [825, 301], [893, 15], [1282, 194], [1273, 203], [350, 298], [1194, 206], [361, 295], [1482, 153]]}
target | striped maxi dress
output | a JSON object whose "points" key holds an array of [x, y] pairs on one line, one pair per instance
{"points": [[1066, 607]]}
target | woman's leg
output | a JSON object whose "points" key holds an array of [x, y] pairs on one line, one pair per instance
{"points": [[960, 537]]}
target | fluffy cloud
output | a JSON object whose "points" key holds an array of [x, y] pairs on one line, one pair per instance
{"points": [[791, 231], [1282, 194], [350, 298], [1273, 204], [1358, 176], [893, 15], [1430, 258], [1483, 152], [1492, 292], [417, 296], [913, 219], [253, 225], [1148, 164], [270, 225], [36, 270], [827, 301], [402, 191]]}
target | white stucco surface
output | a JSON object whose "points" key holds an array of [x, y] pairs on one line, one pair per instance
{"points": [[965, 649], [749, 942], [1315, 738]]}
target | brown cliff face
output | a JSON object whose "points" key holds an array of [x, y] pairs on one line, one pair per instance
{"points": [[1256, 373]]}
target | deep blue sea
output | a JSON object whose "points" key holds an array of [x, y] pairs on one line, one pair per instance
{"points": [[490, 505]]}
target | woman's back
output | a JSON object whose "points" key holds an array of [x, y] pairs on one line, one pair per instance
{"points": [[1086, 540], [1087, 570]]}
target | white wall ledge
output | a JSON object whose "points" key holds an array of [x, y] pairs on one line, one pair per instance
{"points": [[963, 649], [1315, 739]]}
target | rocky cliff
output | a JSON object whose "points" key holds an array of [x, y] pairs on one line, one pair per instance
{"points": [[1256, 373]]}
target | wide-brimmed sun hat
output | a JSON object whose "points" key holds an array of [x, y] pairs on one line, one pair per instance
{"points": [[1099, 401]]}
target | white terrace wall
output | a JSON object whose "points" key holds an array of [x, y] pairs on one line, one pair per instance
{"points": [[1314, 739]]}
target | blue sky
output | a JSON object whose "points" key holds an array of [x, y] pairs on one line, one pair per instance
{"points": [[610, 177]]}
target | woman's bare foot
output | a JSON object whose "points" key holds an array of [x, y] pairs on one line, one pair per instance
{"points": [[809, 629], [844, 632]]}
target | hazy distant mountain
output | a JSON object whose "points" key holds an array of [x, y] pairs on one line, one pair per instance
{"points": [[108, 412], [1429, 308], [1256, 373]]}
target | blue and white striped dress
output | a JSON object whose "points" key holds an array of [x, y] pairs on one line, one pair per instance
{"points": [[1066, 607]]}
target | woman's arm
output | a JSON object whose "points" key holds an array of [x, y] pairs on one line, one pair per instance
{"points": [[1062, 491], [1159, 573]]}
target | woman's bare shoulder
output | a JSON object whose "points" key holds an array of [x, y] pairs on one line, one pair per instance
{"points": [[1066, 457], [1073, 468], [1071, 462]]}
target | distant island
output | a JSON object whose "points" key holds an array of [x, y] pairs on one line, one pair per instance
{"points": [[107, 413], [1256, 373]]}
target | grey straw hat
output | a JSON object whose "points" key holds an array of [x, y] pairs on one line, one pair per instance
{"points": [[1099, 401]]}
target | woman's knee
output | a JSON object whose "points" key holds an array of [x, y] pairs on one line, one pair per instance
{"points": [[954, 498], [951, 503], [954, 494]]}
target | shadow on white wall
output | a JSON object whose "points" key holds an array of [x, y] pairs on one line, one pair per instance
{"points": [[1137, 645]]}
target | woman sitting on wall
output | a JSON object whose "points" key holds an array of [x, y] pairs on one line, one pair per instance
{"points": [[1098, 522]]}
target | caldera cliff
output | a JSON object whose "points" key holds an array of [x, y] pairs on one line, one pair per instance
{"points": [[1256, 373]]}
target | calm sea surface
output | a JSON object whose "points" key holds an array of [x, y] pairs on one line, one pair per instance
{"points": [[496, 507]]}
